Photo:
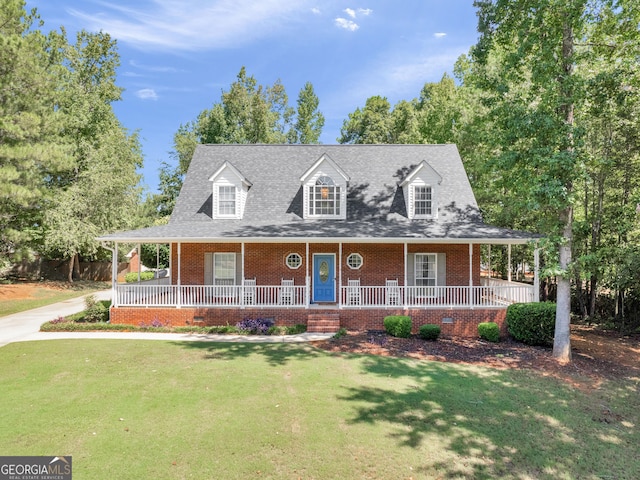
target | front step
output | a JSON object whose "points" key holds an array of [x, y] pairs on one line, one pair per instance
{"points": [[323, 323]]}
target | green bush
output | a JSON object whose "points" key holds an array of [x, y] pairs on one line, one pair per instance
{"points": [[429, 332], [132, 277], [95, 311], [489, 331], [398, 325], [532, 323]]}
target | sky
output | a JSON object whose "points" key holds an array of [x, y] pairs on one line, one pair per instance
{"points": [[178, 56]]}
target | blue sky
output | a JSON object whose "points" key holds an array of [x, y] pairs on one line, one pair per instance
{"points": [[177, 56]]}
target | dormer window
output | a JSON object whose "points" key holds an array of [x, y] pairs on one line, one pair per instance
{"points": [[324, 197], [230, 190], [325, 190], [421, 192]]}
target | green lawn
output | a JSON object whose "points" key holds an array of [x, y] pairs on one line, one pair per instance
{"points": [[152, 409], [43, 296]]}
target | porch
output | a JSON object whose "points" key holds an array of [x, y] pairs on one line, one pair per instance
{"points": [[491, 293]]}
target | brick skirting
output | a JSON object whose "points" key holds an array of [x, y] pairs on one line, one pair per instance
{"points": [[453, 322]]}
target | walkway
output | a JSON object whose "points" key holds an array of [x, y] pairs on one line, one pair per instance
{"points": [[25, 326]]}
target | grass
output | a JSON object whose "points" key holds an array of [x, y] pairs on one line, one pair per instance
{"points": [[42, 296], [170, 410]]}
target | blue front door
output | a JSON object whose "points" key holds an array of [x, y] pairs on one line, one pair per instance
{"points": [[324, 278]]}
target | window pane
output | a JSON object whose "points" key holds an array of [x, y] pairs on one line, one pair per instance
{"points": [[224, 268], [227, 200], [426, 269], [324, 198], [422, 200]]}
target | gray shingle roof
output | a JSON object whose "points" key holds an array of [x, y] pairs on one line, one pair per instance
{"points": [[375, 202]]}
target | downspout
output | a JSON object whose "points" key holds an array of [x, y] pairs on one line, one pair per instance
{"points": [[242, 273], [307, 278], [471, 275], [509, 263]]}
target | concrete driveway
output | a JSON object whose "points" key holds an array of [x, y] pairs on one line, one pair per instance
{"points": [[25, 326]]}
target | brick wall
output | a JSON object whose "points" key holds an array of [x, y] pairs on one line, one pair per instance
{"points": [[453, 322], [266, 262]]}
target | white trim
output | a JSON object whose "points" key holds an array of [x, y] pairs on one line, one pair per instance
{"points": [[324, 158]]}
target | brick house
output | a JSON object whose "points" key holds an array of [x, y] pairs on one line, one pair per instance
{"points": [[324, 235]]}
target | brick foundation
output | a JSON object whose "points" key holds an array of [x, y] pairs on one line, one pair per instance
{"points": [[453, 322]]}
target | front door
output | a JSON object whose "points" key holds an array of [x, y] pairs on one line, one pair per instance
{"points": [[324, 278]]}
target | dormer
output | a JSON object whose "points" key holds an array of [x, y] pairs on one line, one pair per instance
{"points": [[420, 190], [325, 190], [230, 189]]}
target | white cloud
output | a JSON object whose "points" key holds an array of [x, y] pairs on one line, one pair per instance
{"points": [[346, 24], [187, 24], [440, 35], [365, 11], [316, 11], [350, 12], [147, 94]]}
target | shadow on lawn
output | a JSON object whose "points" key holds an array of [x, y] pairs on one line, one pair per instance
{"points": [[482, 423], [274, 353], [492, 423]]}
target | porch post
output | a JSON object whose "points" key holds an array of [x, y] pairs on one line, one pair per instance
{"points": [[470, 274], [139, 261], [509, 262], [179, 294], [114, 276], [242, 273], [489, 260], [157, 259], [406, 276], [306, 279], [536, 276], [339, 275]]}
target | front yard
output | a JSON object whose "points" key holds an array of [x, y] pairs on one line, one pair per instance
{"points": [[154, 409]]}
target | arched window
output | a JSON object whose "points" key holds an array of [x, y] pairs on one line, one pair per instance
{"points": [[324, 197]]}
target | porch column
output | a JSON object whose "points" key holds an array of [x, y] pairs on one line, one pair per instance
{"points": [[139, 252], [307, 278], [509, 262], [339, 289], [179, 294], [157, 260], [406, 276], [536, 276], [471, 264], [114, 276], [489, 260], [242, 273]]}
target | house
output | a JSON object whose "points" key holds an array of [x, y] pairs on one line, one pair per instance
{"points": [[325, 235]]}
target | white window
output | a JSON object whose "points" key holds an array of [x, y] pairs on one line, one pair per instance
{"points": [[294, 261], [224, 268], [226, 200], [422, 201], [425, 270], [324, 198], [354, 261]]}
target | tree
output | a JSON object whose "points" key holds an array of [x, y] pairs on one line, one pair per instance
{"points": [[30, 151], [537, 58], [99, 192], [372, 124], [309, 121]]}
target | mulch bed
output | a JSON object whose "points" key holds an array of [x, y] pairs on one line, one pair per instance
{"points": [[593, 354]]}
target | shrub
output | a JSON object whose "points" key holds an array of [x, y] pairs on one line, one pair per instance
{"points": [[489, 331], [95, 311], [132, 277], [429, 332], [532, 323], [259, 326], [340, 333], [398, 325]]}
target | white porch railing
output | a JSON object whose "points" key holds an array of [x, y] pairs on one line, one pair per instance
{"points": [[496, 294]]}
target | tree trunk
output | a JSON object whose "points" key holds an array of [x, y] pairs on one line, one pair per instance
{"points": [[562, 337], [70, 272]]}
